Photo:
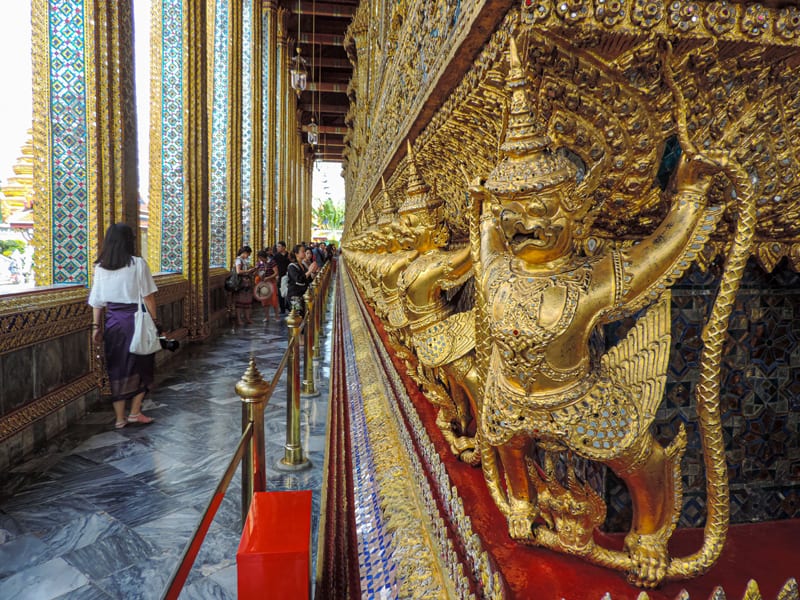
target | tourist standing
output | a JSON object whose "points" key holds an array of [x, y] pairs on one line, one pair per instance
{"points": [[282, 260], [120, 279], [243, 298]]}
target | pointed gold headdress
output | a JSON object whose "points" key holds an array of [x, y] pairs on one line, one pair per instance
{"points": [[527, 163], [418, 193], [387, 210]]}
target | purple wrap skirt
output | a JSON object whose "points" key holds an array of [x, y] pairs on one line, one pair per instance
{"points": [[128, 374]]}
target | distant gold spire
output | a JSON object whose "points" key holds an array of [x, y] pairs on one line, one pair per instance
{"points": [[18, 190]]}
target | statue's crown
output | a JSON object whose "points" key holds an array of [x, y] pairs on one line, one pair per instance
{"points": [[418, 193], [386, 215], [528, 162]]}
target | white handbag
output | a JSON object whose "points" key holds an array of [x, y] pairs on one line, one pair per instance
{"points": [[145, 335]]}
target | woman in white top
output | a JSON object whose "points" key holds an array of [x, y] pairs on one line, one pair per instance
{"points": [[119, 278]]}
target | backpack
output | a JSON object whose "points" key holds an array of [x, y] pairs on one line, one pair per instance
{"points": [[232, 281], [285, 285]]}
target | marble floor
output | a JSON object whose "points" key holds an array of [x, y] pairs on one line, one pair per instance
{"points": [[104, 513]]}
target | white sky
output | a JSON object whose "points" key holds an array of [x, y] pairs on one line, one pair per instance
{"points": [[16, 104], [141, 41], [327, 182]]}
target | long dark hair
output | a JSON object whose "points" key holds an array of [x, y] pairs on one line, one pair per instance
{"points": [[119, 247]]}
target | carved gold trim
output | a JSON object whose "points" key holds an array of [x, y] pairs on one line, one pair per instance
{"points": [[414, 547], [155, 187], [42, 170], [41, 407]]}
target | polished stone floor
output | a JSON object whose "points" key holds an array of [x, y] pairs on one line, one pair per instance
{"points": [[106, 514]]}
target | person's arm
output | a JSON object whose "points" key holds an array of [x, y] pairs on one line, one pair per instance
{"points": [[150, 304], [97, 324]]}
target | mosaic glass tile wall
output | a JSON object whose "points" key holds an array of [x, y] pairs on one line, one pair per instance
{"points": [[760, 396], [247, 117], [69, 145], [218, 181], [172, 136]]}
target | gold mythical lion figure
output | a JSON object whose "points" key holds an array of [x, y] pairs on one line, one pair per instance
{"points": [[549, 383]]}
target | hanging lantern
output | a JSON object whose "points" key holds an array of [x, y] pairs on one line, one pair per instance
{"points": [[313, 132], [299, 73]]}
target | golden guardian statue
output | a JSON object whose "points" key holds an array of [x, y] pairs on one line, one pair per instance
{"points": [[551, 386]]}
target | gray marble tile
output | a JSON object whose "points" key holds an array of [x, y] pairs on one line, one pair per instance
{"points": [[51, 579], [81, 532], [217, 552], [172, 532], [22, 552], [227, 578], [110, 554], [148, 462], [9, 528], [107, 438], [145, 580], [87, 592], [206, 589], [54, 513], [112, 452]]}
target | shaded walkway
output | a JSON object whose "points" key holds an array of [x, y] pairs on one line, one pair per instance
{"points": [[106, 514]]}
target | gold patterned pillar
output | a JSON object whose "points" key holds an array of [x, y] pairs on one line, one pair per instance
{"points": [[257, 126], [282, 126], [195, 169], [270, 115], [234, 166], [291, 191]]}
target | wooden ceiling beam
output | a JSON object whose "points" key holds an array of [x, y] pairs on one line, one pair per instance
{"points": [[326, 86], [326, 9], [338, 109], [322, 39]]}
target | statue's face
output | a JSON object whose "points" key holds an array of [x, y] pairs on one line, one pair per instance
{"points": [[417, 231], [537, 229]]}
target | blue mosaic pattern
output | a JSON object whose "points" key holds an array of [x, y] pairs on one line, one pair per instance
{"points": [[218, 181], [760, 387], [374, 542], [172, 136], [247, 118], [69, 145]]}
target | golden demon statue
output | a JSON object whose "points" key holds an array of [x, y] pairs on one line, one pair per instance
{"points": [[442, 339], [549, 384]]}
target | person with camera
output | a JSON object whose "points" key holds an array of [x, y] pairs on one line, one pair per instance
{"points": [[120, 278], [300, 276]]}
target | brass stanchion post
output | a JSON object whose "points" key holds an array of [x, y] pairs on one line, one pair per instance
{"points": [[315, 291], [253, 391], [309, 391], [293, 458]]}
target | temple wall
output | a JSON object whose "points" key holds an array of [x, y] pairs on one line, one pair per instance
{"points": [[595, 81]]}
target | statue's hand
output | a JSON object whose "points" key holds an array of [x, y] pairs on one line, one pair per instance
{"points": [[694, 173]]}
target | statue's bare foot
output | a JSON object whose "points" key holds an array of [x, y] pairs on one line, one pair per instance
{"points": [[650, 558], [521, 516]]}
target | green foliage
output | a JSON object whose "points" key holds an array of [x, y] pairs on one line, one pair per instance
{"points": [[7, 247], [328, 215]]}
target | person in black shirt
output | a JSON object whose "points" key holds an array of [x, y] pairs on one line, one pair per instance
{"points": [[299, 276], [282, 260]]}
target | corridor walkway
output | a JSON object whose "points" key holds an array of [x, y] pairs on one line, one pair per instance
{"points": [[106, 514]]}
